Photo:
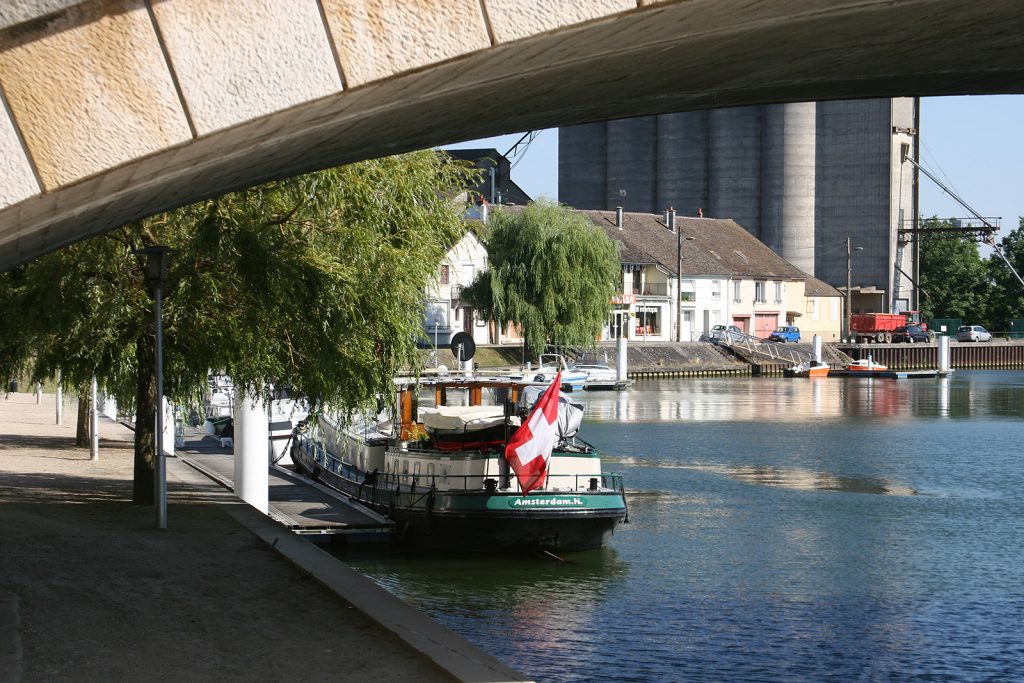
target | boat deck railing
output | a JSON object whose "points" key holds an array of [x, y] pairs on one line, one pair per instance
{"points": [[380, 487]]}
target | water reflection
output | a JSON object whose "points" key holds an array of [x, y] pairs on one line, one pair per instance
{"points": [[820, 481], [541, 602], [748, 559], [964, 394]]}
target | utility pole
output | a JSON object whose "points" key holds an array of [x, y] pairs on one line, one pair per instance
{"points": [[849, 272], [679, 271]]}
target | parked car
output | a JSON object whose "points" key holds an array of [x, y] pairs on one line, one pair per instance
{"points": [[974, 333], [910, 334], [785, 333], [729, 333]]}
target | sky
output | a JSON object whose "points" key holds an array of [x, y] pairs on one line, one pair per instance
{"points": [[974, 144]]}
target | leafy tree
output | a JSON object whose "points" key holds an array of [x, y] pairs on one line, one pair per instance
{"points": [[315, 282], [1008, 292], [551, 271], [954, 278]]}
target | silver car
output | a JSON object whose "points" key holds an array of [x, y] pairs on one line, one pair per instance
{"points": [[974, 333]]}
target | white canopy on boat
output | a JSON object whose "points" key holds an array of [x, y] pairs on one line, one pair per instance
{"points": [[464, 418]]}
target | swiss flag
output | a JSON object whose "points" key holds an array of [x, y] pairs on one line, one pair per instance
{"points": [[529, 449]]}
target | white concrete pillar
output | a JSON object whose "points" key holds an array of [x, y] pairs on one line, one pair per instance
{"points": [[621, 369], [109, 406], [816, 345], [943, 354], [60, 402], [167, 440], [251, 444], [94, 422]]}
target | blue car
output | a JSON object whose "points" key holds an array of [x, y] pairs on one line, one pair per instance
{"points": [[786, 333]]}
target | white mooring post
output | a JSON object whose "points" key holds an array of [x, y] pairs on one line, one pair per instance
{"points": [[252, 436], [943, 355], [816, 345], [621, 369]]}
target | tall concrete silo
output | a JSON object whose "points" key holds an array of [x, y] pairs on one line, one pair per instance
{"points": [[734, 173], [582, 169], [788, 188], [683, 162], [631, 162]]}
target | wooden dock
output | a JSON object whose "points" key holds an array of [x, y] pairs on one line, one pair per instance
{"points": [[302, 505]]}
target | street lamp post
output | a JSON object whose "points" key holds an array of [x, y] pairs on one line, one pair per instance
{"points": [[156, 271], [679, 282], [849, 271]]}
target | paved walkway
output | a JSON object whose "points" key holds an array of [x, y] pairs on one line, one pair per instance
{"points": [[90, 590]]}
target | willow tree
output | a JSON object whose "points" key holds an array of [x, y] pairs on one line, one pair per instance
{"points": [[550, 271], [315, 282]]}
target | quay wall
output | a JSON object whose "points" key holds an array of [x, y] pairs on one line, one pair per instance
{"points": [[702, 359], [995, 355]]}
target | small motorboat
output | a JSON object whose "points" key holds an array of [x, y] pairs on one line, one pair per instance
{"points": [[808, 369], [866, 365]]}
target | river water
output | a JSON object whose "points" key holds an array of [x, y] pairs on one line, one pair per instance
{"points": [[780, 529]]}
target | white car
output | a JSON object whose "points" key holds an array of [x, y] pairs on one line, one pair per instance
{"points": [[974, 333]]}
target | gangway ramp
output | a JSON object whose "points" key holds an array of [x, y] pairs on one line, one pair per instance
{"points": [[757, 348], [302, 505]]}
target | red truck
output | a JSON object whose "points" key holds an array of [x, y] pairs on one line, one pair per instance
{"points": [[878, 327]]}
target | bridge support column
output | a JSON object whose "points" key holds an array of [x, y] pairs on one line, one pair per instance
{"points": [[251, 440]]}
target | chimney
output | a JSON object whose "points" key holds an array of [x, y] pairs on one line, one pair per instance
{"points": [[618, 217], [483, 212], [666, 217], [671, 218]]}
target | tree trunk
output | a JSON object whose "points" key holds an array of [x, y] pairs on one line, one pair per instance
{"points": [[145, 419], [82, 428]]}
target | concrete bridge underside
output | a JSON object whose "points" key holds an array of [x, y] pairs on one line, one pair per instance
{"points": [[111, 110]]}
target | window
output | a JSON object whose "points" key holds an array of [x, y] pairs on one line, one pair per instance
{"points": [[736, 292], [716, 289], [444, 275], [687, 290], [778, 292], [648, 320], [759, 292]]}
